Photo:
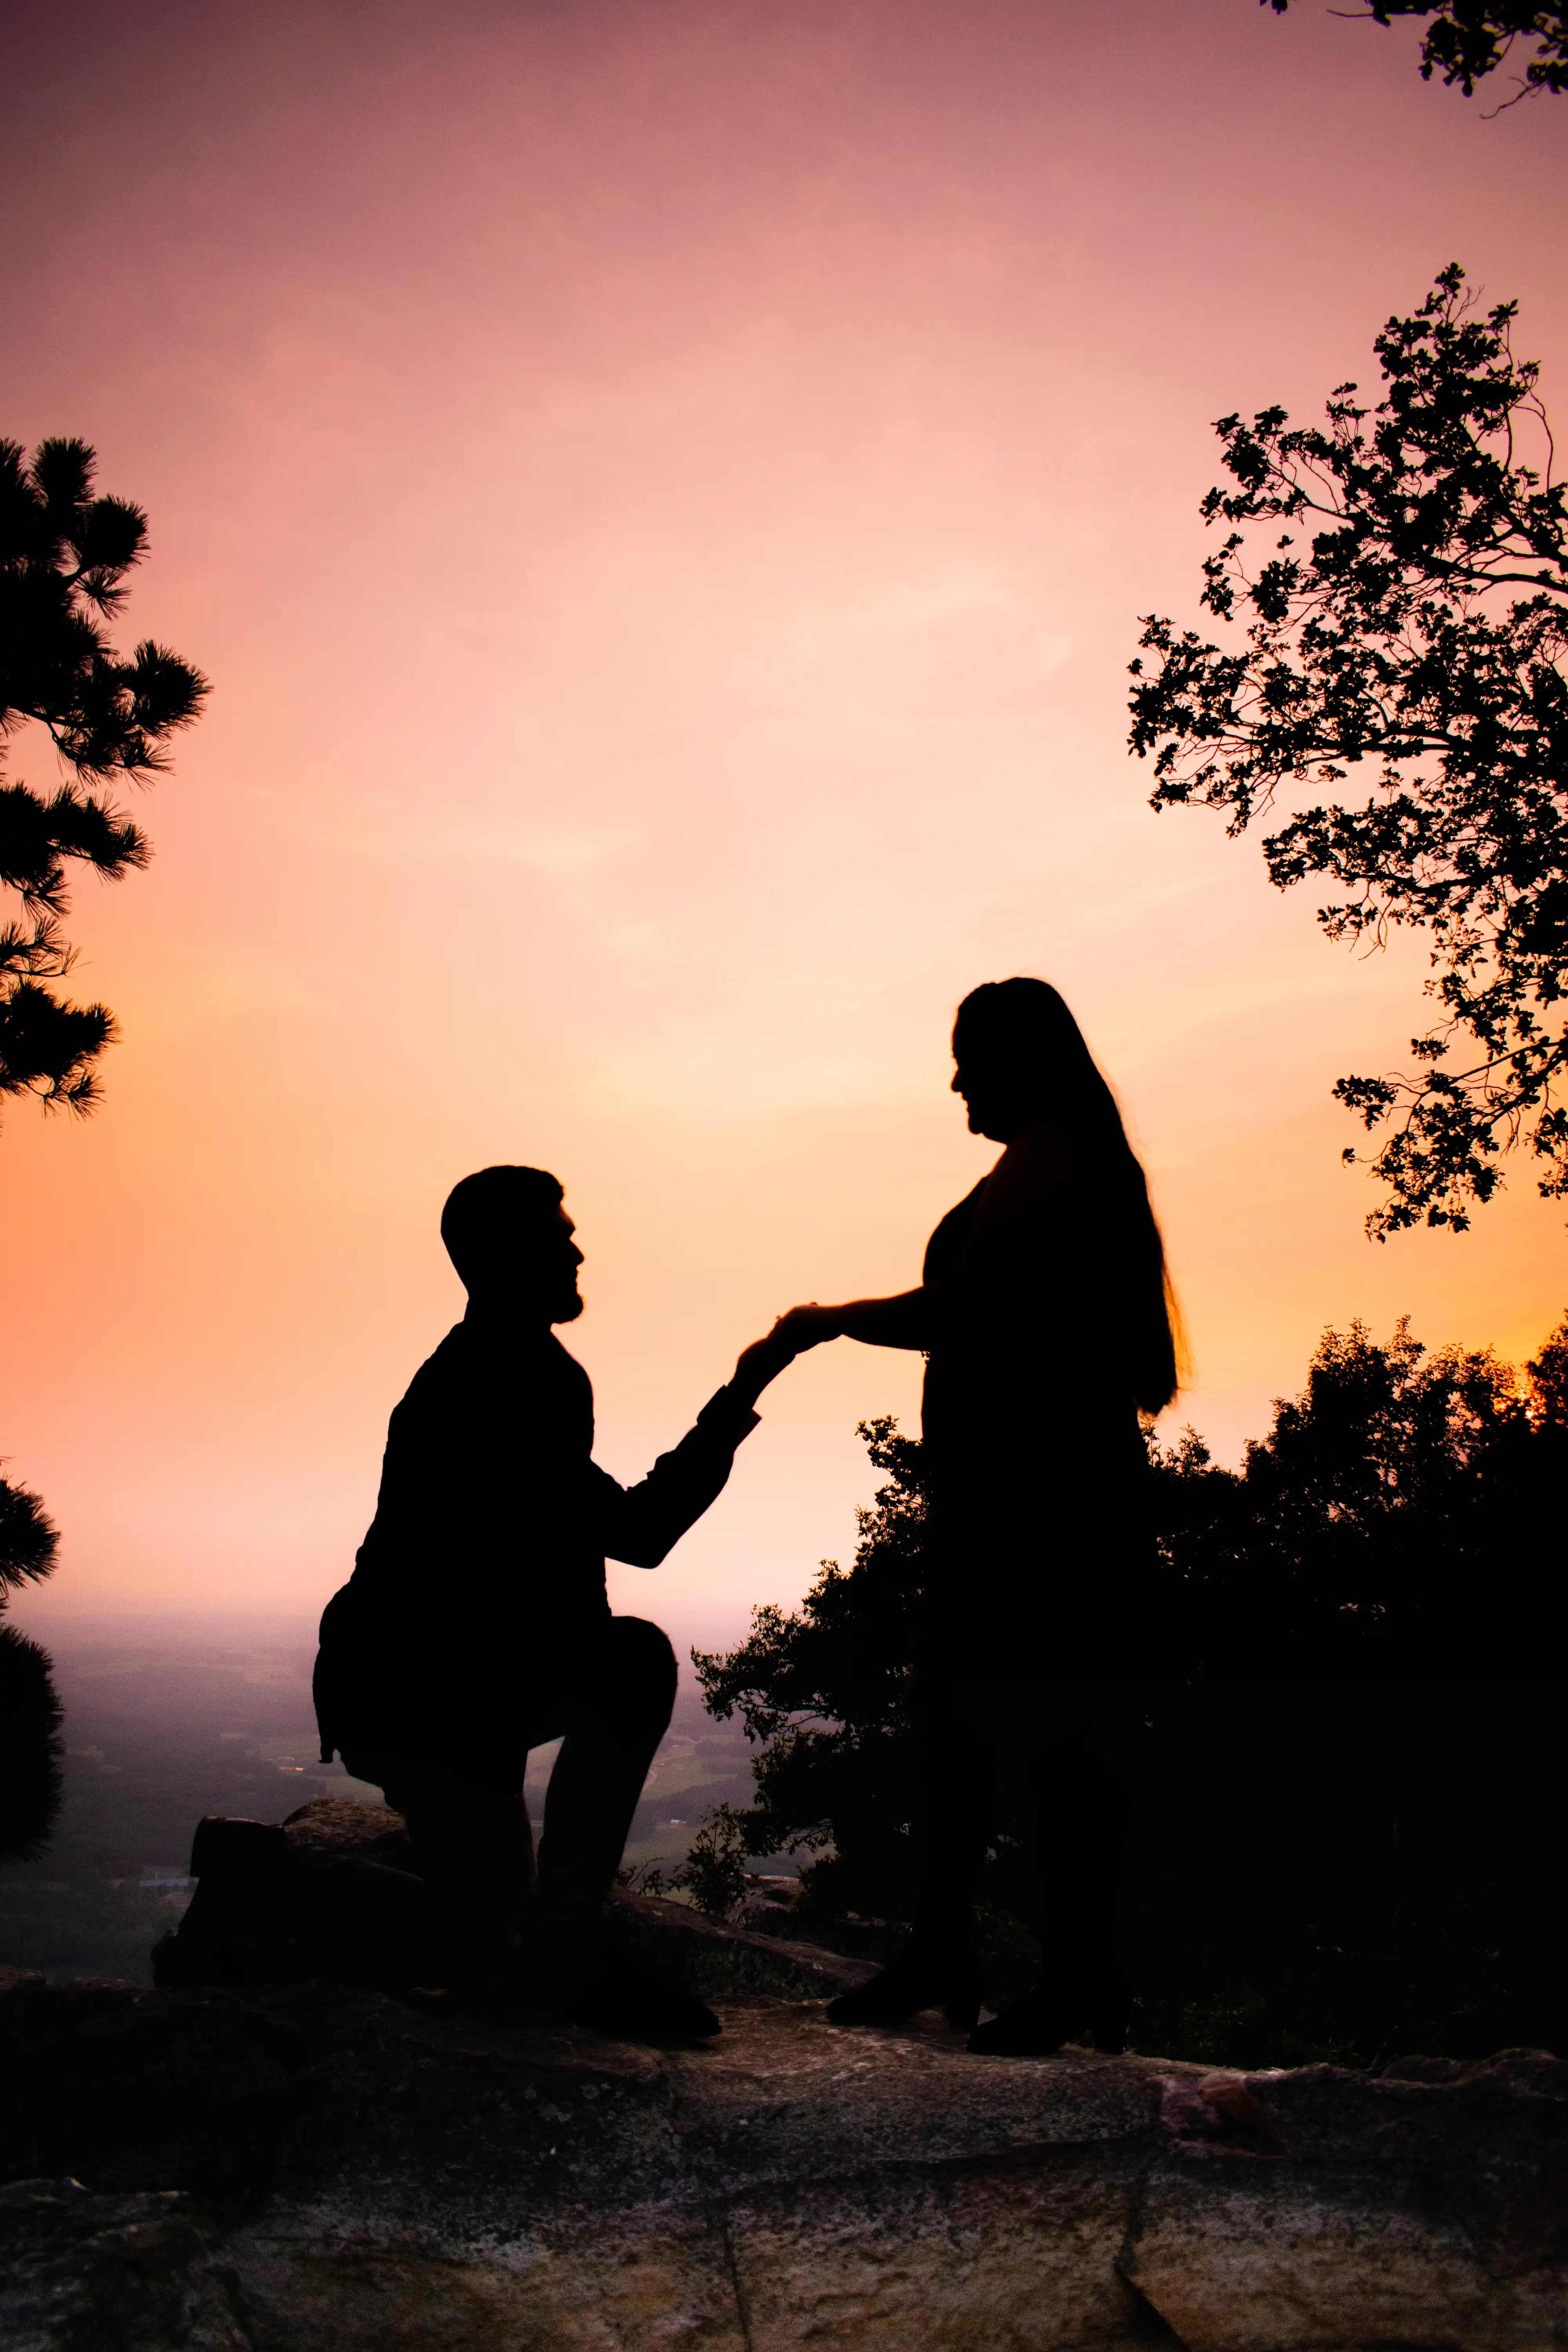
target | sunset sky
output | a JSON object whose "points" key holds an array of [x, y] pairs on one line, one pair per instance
{"points": [[663, 490]]}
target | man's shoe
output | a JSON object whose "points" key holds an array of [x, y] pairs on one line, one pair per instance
{"points": [[631, 2007], [925, 1975]]}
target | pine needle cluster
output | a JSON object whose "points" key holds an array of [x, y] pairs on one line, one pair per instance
{"points": [[64, 557], [29, 1711]]}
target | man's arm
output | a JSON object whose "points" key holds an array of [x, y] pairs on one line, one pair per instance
{"points": [[642, 1524]]}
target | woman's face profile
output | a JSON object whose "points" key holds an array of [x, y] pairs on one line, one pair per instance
{"points": [[999, 1098], [985, 1098]]}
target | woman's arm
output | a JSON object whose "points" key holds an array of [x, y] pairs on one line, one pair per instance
{"points": [[900, 1321]]}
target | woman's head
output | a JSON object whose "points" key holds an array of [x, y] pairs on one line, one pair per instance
{"points": [[1022, 1062]]}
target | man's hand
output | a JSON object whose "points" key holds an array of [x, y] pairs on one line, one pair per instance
{"points": [[792, 1334]]}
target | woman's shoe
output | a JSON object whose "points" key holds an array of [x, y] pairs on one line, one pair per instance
{"points": [[1059, 2008], [922, 1975]]}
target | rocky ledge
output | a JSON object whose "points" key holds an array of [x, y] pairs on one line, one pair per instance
{"points": [[275, 2169]]}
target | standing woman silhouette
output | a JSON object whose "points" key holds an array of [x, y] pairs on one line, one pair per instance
{"points": [[1046, 1317]]}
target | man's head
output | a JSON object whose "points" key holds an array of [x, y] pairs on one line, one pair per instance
{"points": [[508, 1233]]}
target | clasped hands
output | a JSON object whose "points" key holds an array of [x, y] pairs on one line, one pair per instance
{"points": [[792, 1334]]}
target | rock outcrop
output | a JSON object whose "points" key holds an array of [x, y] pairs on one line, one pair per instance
{"points": [[288, 2167], [716, 1963], [92, 2271]]}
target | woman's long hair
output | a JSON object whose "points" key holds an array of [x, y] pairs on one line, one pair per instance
{"points": [[1022, 1031]]}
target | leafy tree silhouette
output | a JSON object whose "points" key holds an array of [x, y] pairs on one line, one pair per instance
{"points": [[63, 555], [1472, 38], [1423, 627]]}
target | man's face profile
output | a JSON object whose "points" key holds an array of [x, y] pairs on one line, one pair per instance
{"points": [[547, 1262], [529, 1268]]}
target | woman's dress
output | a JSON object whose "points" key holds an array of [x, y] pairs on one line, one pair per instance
{"points": [[1039, 1558]]}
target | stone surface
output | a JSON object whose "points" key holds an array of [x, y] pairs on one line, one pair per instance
{"points": [[309, 2168], [726, 1963], [136, 2273], [372, 1832], [293, 2167]]}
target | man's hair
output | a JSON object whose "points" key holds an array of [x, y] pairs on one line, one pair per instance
{"points": [[485, 1207]]}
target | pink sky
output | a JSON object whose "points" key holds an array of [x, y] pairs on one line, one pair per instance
{"points": [[664, 492]]}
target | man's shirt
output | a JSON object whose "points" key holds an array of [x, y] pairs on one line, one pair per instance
{"points": [[481, 1578]]}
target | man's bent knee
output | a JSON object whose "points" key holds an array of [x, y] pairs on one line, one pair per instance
{"points": [[639, 1678]]}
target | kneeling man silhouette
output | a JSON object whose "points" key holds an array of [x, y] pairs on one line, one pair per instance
{"points": [[476, 1625]]}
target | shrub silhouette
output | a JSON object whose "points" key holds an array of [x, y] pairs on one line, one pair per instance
{"points": [[1355, 1741]]}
